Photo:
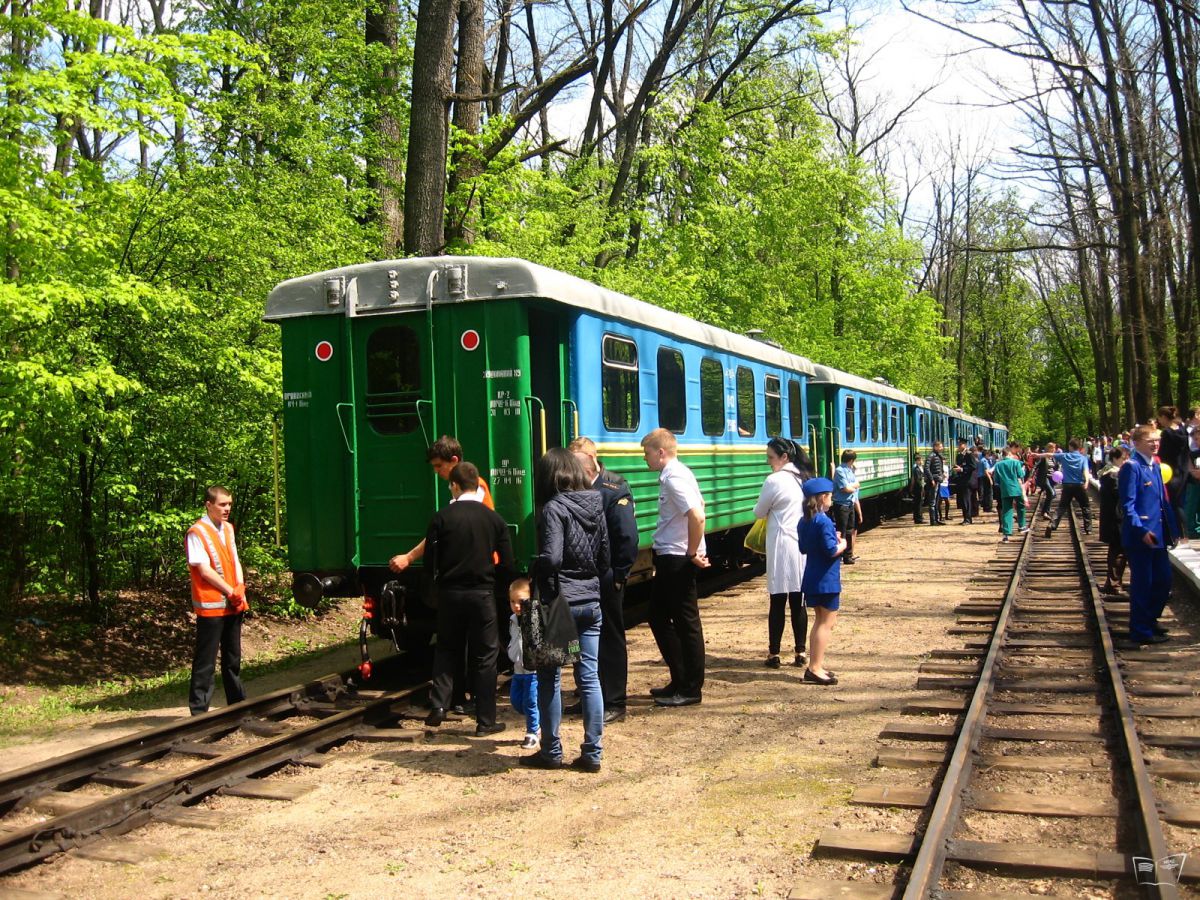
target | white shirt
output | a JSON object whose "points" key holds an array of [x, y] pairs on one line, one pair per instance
{"points": [[198, 556], [678, 492], [476, 496], [781, 503]]}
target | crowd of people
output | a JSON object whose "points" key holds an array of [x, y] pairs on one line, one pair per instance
{"points": [[587, 543]]}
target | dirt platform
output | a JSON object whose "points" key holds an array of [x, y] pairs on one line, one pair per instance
{"points": [[721, 800]]}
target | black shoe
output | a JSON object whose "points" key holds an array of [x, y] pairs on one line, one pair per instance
{"points": [[573, 709], [436, 717], [1049, 531], [665, 691], [579, 764], [937, 523], [463, 709], [1156, 638], [813, 678], [1158, 629], [677, 700], [848, 562], [537, 761], [772, 662], [485, 730], [614, 715], [801, 659]]}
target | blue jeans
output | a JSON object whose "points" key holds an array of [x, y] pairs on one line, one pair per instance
{"points": [[523, 693], [587, 679]]}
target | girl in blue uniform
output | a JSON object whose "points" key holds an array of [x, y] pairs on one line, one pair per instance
{"points": [[822, 582]]}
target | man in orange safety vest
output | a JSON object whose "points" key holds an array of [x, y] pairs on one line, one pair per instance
{"points": [[218, 599]]}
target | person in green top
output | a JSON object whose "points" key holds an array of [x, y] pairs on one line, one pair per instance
{"points": [[1008, 476]]}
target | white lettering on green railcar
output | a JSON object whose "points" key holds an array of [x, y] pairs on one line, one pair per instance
{"points": [[504, 404], [506, 474], [501, 373], [296, 399], [869, 469]]}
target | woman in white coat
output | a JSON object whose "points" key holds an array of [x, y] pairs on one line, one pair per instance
{"points": [[781, 503]]}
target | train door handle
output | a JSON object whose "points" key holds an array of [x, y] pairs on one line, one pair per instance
{"points": [[340, 408], [421, 419]]}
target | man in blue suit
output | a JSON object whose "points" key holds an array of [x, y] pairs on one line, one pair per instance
{"points": [[1148, 529]]}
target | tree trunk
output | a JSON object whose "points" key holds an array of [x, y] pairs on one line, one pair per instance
{"points": [[425, 175], [384, 175], [467, 164]]}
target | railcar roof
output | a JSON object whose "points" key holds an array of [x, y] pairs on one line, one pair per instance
{"points": [[369, 289], [827, 375]]}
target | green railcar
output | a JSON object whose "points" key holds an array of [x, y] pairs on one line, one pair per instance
{"points": [[511, 358]]}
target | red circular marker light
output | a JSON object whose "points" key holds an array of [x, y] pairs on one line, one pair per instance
{"points": [[470, 339], [324, 351]]}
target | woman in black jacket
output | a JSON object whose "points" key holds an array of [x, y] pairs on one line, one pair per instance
{"points": [[572, 555]]}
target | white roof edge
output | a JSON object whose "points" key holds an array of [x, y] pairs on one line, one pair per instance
{"points": [[520, 278]]}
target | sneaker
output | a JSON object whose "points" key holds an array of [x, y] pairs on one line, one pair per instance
{"points": [[772, 662], [579, 764], [1004, 540], [1024, 530], [531, 742]]}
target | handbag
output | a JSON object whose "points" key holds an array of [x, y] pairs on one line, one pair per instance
{"points": [[756, 537], [548, 634]]}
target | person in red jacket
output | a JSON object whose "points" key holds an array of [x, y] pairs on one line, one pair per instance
{"points": [[219, 601]]}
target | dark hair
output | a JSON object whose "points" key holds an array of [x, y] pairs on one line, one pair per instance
{"points": [[466, 476], [781, 446], [1075, 444], [849, 456], [557, 471], [214, 491], [1117, 452], [446, 448]]}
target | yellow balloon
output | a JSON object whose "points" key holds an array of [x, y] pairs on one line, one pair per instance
{"points": [[1167, 472]]}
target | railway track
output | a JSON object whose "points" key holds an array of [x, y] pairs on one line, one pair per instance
{"points": [[74, 802], [1065, 758]]}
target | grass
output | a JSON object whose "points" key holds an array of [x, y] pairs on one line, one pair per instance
{"points": [[59, 707]]}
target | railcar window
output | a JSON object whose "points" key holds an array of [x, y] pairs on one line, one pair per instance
{"points": [[747, 420], [895, 422], [619, 384], [712, 397], [849, 419], [862, 418], [774, 406], [672, 399], [795, 409], [393, 380], [875, 421]]}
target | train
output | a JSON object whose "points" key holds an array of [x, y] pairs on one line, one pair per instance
{"points": [[380, 359]]}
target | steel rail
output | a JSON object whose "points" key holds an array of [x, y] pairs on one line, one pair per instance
{"points": [[1149, 827], [73, 769], [931, 858], [131, 808]]}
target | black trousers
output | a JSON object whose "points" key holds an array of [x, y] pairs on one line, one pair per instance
{"points": [[1078, 493], [919, 502], [614, 654], [966, 502], [775, 621], [985, 493], [845, 520], [466, 620], [675, 622], [213, 632]]}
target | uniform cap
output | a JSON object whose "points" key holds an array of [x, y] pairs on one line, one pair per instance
{"points": [[815, 486]]}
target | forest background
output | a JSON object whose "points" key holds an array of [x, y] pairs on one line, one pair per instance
{"points": [[164, 164]]}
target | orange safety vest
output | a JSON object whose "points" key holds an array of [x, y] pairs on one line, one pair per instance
{"points": [[487, 495], [206, 599]]}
